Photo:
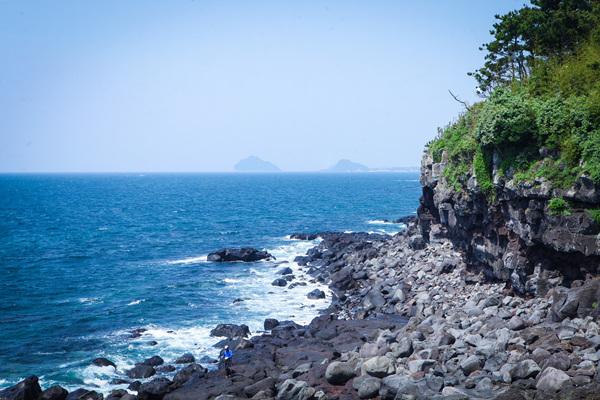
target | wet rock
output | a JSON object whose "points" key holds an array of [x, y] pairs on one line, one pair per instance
{"points": [[165, 369], [27, 389], [338, 373], [185, 359], [279, 282], [135, 385], [285, 271], [270, 323], [231, 331], [55, 392], [141, 371], [316, 294], [103, 362], [153, 361], [84, 394], [246, 254]]}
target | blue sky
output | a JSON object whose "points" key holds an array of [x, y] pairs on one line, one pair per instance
{"points": [[198, 85]]}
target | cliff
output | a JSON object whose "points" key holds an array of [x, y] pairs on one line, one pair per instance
{"points": [[523, 235]]}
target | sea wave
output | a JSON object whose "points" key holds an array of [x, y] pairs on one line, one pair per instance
{"points": [[189, 260], [135, 302]]}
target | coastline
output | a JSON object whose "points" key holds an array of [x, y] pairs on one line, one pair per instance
{"points": [[408, 319]]}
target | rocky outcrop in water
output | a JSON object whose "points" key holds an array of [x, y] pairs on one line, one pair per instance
{"points": [[245, 254]]}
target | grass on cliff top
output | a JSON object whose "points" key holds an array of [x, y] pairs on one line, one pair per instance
{"points": [[546, 127]]}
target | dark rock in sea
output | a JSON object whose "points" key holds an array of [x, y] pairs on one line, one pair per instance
{"points": [[304, 236], [165, 368], [117, 394], [118, 381], [406, 220], [279, 282], [153, 361], [152, 343], [185, 359], [316, 294], [270, 323], [103, 362], [84, 394], [154, 390], [231, 331], [288, 278], [141, 371], [135, 385], [55, 392], [302, 260], [27, 389], [129, 397], [285, 271], [246, 254], [186, 373], [295, 284], [238, 300], [136, 333]]}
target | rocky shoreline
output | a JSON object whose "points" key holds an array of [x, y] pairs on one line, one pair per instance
{"points": [[408, 320]]}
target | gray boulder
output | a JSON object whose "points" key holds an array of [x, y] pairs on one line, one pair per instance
{"points": [[338, 373], [379, 367], [552, 380]]}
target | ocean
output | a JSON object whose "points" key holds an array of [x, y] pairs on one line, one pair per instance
{"points": [[87, 258]]}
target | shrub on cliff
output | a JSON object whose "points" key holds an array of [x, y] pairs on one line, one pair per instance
{"points": [[506, 117]]}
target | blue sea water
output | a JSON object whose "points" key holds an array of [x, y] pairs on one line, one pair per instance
{"points": [[84, 259]]}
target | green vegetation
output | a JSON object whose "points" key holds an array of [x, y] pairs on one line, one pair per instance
{"points": [[558, 206], [595, 214], [540, 117]]}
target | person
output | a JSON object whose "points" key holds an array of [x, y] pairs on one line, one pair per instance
{"points": [[226, 356]]}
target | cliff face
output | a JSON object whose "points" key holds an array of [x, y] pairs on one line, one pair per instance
{"points": [[515, 237]]}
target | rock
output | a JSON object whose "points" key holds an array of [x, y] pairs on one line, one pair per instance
{"points": [[27, 389], [55, 392], [338, 373], [128, 397], [420, 365], [524, 369], [135, 385], [84, 394], [153, 361], [379, 367], [279, 282], [316, 294], [577, 301], [185, 359], [231, 331], [552, 380], [394, 386], [267, 384], [141, 371], [270, 323], [103, 362], [470, 364], [154, 390], [165, 368], [417, 242], [516, 323], [285, 271], [367, 386], [246, 254], [404, 348], [292, 389], [186, 373], [304, 236], [301, 370]]}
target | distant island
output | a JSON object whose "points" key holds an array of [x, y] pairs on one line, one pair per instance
{"points": [[255, 164], [347, 166]]}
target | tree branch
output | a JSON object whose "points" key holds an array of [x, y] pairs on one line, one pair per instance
{"points": [[464, 103]]}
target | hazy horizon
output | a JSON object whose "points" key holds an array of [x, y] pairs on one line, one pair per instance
{"points": [[195, 86]]}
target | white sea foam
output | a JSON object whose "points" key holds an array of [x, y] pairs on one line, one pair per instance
{"points": [[231, 280], [189, 260], [380, 222], [135, 302], [89, 300]]}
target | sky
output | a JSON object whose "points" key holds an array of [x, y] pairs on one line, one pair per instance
{"points": [[174, 86]]}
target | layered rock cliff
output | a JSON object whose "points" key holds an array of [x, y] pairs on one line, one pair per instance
{"points": [[514, 236]]}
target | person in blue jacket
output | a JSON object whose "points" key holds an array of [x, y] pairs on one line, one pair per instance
{"points": [[226, 356]]}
